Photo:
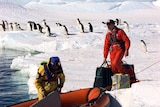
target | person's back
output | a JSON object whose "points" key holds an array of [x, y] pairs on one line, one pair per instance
{"points": [[50, 77]]}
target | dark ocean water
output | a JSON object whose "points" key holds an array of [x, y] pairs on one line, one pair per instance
{"points": [[13, 83]]}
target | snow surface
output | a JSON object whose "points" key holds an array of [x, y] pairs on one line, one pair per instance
{"points": [[81, 53]]}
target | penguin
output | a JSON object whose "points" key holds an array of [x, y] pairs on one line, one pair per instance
{"points": [[65, 30], [143, 46], [48, 31], [78, 21], [10, 27], [118, 21], [29, 25], [19, 27], [15, 26], [34, 25], [44, 24], [58, 24], [3, 25], [39, 27], [6, 24], [126, 26], [104, 23], [81, 27], [90, 27]]}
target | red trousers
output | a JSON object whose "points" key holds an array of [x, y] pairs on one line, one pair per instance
{"points": [[116, 56]]}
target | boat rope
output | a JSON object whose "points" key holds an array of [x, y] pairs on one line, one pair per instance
{"points": [[147, 67]]}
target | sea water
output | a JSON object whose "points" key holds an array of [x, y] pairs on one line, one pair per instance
{"points": [[13, 84]]}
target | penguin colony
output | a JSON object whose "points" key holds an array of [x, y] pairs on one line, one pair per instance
{"points": [[45, 29]]}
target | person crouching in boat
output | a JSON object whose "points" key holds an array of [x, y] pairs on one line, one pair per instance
{"points": [[50, 77]]}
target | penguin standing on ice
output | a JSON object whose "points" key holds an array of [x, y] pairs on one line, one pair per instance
{"points": [[143, 46], [29, 26], [78, 21], [39, 27], [3, 25], [48, 31], [65, 30], [80, 25], [6, 24], [10, 27], [90, 27], [15, 26], [118, 21], [126, 26], [44, 24]]}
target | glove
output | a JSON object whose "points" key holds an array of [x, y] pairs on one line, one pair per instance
{"points": [[42, 93], [59, 90], [126, 53], [60, 85], [104, 60]]}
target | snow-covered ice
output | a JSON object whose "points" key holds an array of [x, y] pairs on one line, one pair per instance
{"points": [[81, 53]]}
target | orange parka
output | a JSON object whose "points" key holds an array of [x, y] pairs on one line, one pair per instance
{"points": [[120, 36]]}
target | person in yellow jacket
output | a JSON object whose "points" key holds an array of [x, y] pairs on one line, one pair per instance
{"points": [[50, 77]]}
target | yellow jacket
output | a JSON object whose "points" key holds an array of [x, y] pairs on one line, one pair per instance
{"points": [[44, 85]]}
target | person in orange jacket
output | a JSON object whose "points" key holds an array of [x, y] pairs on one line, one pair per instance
{"points": [[50, 77], [117, 44]]}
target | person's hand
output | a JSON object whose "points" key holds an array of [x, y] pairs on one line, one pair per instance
{"points": [[59, 90], [43, 93], [59, 87], [105, 60], [126, 53]]}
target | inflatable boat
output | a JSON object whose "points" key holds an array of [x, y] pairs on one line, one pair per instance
{"points": [[90, 97]]}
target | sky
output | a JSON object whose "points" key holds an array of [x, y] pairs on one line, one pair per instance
{"points": [[82, 53]]}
